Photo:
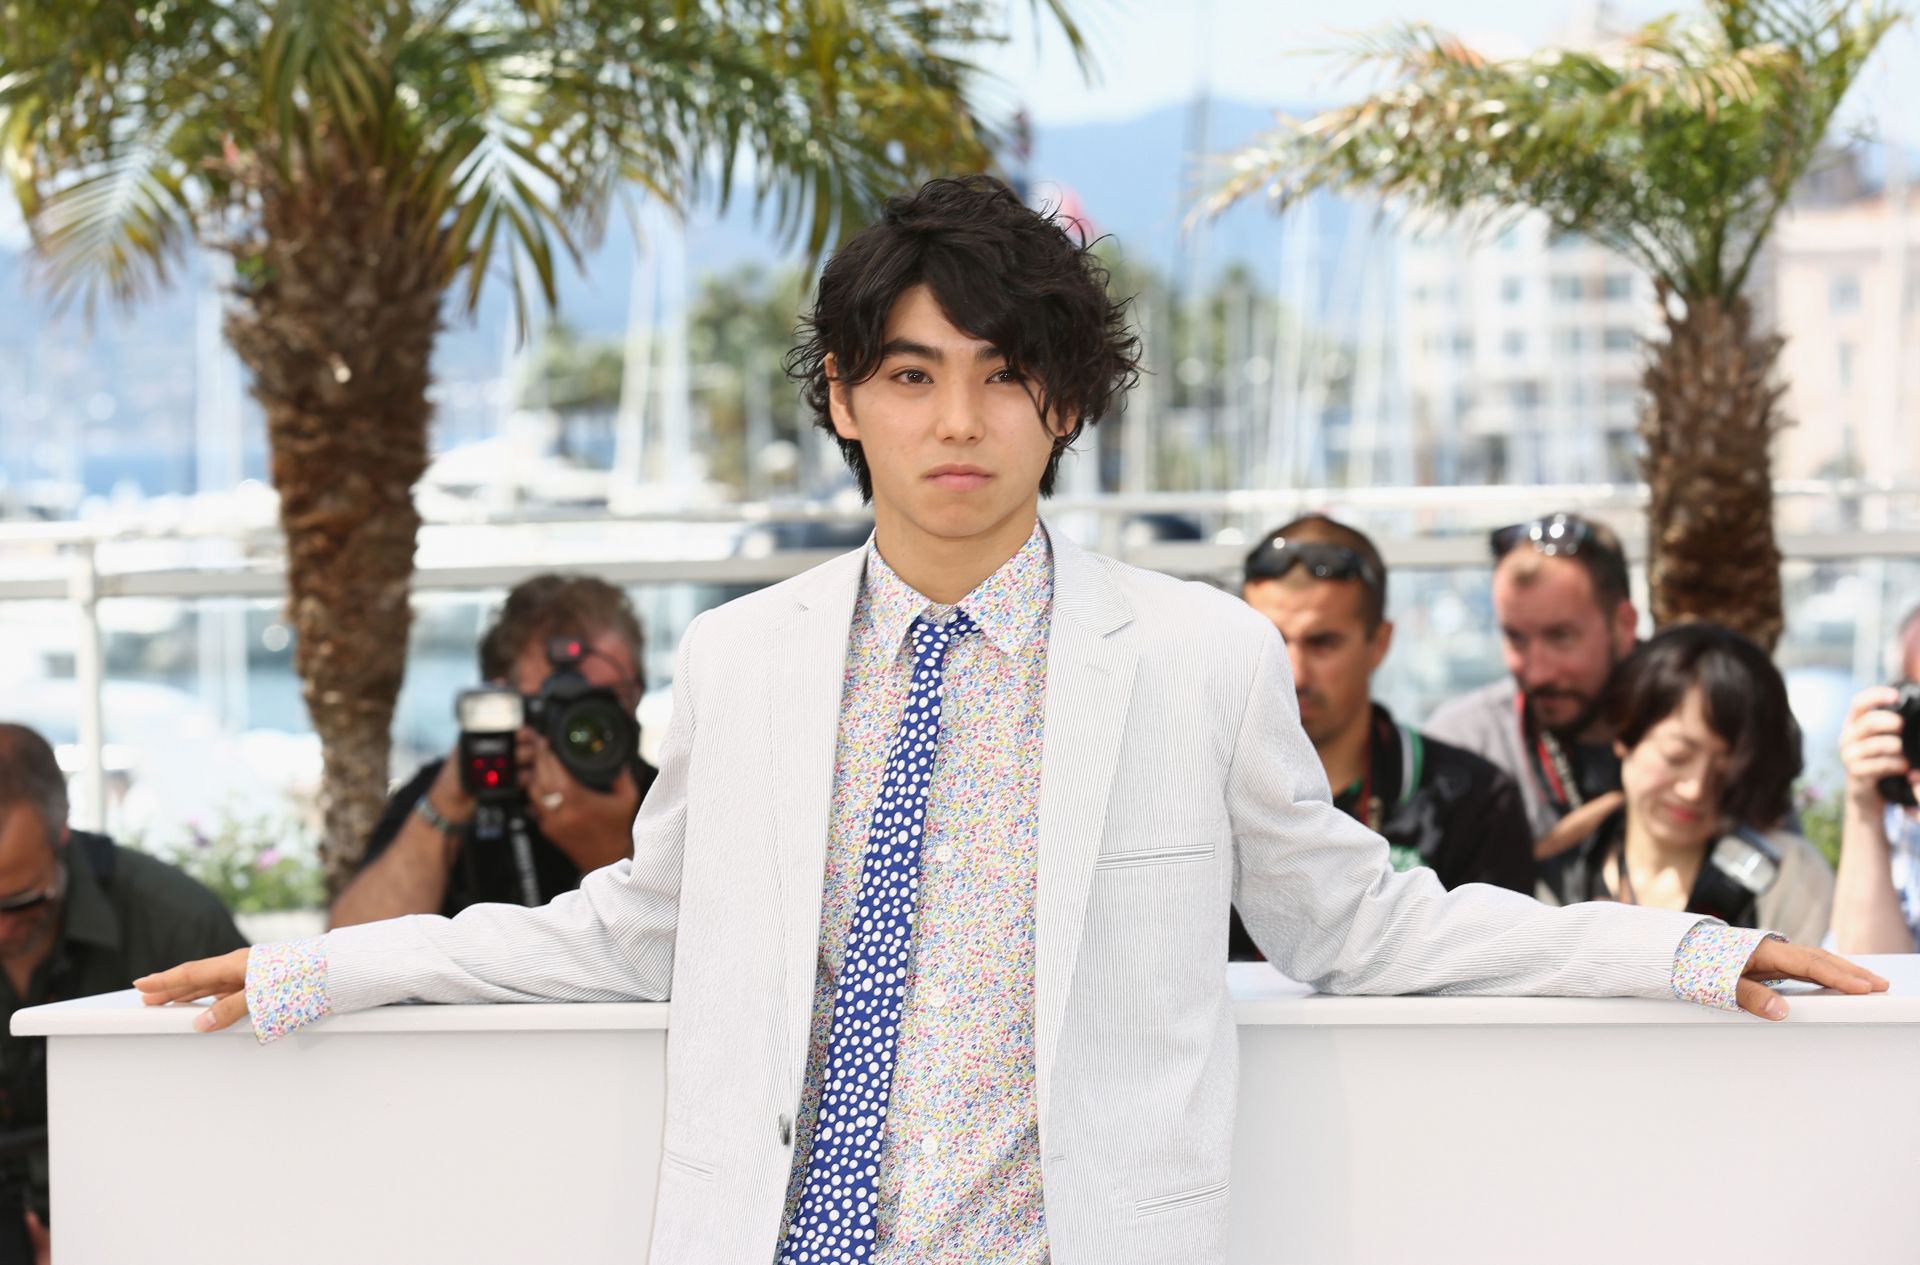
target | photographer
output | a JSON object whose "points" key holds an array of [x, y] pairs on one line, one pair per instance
{"points": [[79, 915], [439, 849], [1876, 903]]}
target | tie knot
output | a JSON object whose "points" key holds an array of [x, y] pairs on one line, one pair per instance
{"points": [[931, 640]]}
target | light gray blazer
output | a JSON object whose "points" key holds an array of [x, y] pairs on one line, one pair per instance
{"points": [[1174, 777]]}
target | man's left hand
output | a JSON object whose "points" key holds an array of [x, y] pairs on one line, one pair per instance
{"points": [[594, 828], [1776, 960]]}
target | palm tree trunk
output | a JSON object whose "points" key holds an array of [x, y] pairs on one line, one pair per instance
{"points": [[336, 316], [1709, 467]]}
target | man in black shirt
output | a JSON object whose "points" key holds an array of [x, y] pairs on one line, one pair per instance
{"points": [[79, 916], [1324, 586], [433, 851]]}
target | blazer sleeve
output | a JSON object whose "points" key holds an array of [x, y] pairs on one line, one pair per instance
{"points": [[1314, 889], [609, 940]]}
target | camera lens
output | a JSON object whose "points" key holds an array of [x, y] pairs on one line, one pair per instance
{"points": [[592, 737]]}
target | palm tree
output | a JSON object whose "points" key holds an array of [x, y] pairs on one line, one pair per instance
{"points": [[369, 164], [1676, 146]]}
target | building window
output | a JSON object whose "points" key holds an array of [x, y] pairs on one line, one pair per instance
{"points": [[1564, 289], [1462, 343], [1524, 394], [1569, 338], [1844, 364], [1617, 285], [1514, 343], [1619, 338], [1843, 294], [1510, 290], [1622, 391]]}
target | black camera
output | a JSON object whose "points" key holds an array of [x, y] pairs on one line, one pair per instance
{"points": [[1897, 790], [591, 732]]}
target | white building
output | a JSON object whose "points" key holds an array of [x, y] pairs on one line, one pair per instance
{"points": [[1523, 356], [1847, 295]]}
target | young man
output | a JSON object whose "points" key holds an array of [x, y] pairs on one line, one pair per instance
{"points": [[1566, 617], [934, 867], [1324, 586]]}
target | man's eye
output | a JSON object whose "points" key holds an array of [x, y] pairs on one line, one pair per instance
{"points": [[1006, 375], [912, 377]]}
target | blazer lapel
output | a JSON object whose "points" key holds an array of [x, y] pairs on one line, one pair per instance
{"points": [[803, 712], [1091, 656]]}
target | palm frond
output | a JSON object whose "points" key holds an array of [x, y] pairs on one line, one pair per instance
{"points": [[1676, 145]]}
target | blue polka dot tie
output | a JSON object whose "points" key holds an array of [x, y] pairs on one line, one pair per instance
{"points": [[834, 1222]]}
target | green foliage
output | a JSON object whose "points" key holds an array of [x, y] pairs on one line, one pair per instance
{"points": [[1820, 819], [1676, 146], [499, 131], [255, 865]]}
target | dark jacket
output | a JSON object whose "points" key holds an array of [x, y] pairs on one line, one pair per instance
{"points": [[125, 914], [1438, 806]]}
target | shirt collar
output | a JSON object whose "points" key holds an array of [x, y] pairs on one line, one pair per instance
{"points": [[1008, 605], [90, 916]]}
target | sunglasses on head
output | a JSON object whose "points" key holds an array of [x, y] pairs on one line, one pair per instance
{"points": [[1554, 536], [1272, 559]]}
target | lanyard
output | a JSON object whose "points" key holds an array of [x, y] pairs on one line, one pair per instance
{"points": [[1550, 763]]}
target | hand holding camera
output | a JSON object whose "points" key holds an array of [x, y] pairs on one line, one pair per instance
{"points": [[562, 755], [1880, 745]]}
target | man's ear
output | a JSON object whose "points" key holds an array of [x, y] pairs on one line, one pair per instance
{"points": [[1382, 642], [840, 402], [1626, 629]]}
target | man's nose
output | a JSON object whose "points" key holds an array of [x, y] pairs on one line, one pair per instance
{"points": [[959, 413]]}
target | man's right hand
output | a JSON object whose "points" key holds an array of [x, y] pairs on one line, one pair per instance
{"points": [[223, 978], [1577, 825], [1870, 746]]}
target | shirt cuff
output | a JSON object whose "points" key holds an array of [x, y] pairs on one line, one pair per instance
{"points": [[286, 986], [1708, 963]]}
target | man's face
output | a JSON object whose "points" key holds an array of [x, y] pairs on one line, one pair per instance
{"points": [[608, 663], [1559, 645], [1333, 656], [1910, 654], [952, 438], [29, 866]]}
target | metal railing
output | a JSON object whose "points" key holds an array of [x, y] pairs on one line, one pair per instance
{"points": [[67, 557]]}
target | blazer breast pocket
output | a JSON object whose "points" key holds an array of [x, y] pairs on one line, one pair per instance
{"points": [[1130, 858]]}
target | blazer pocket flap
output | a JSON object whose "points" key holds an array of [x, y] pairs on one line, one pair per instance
{"points": [[1182, 1199], [1153, 856], [691, 1167]]}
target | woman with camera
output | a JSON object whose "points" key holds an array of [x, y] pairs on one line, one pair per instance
{"points": [[1876, 905], [1708, 752]]}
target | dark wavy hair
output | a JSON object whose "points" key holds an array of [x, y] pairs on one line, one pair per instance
{"points": [[1746, 704], [1001, 272], [557, 605]]}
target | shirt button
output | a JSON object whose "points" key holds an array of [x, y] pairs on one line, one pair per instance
{"points": [[943, 854], [937, 1000], [929, 1145]]}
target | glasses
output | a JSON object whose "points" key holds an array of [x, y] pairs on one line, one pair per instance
{"points": [[1557, 536], [25, 902], [1273, 558]]}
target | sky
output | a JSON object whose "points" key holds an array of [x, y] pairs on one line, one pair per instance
{"points": [[1153, 52]]}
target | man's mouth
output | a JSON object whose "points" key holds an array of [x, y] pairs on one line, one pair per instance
{"points": [[958, 478]]}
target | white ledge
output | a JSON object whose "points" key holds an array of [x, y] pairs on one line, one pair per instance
{"points": [[1262, 997]]}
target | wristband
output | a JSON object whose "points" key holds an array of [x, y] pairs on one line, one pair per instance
{"points": [[423, 809]]}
